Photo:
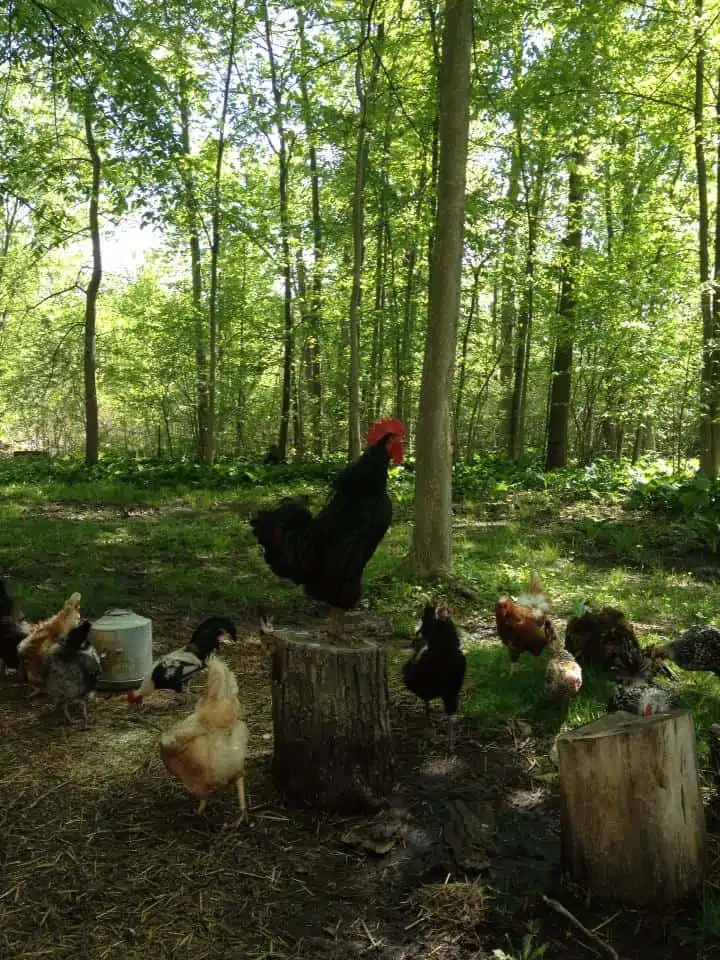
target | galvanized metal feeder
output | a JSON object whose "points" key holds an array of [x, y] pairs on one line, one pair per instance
{"points": [[124, 641]]}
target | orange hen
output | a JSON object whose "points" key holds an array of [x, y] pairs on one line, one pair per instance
{"points": [[43, 635], [521, 621]]}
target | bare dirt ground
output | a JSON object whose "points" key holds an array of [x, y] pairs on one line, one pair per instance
{"points": [[103, 856]]}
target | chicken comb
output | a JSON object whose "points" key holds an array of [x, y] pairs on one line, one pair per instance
{"points": [[382, 428]]}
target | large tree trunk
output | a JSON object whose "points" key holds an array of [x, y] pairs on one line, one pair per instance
{"points": [[632, 818], [330, 719], [432, 533], [92, 430], [561, 387]]}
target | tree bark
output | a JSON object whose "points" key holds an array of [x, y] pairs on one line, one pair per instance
{"points": [[330, 719], [432, 533], [632, 818], [561, 387], [92, 429]]}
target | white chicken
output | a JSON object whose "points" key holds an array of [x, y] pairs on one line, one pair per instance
{"points": [[207, 749]]}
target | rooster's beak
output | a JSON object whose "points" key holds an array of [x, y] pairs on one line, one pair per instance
{"points": [[225, 639]]}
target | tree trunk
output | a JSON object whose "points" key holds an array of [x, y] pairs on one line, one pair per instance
{"points": [[632, 818], [289, 333], [314, 370], [432, 532], [92, 430], [708, 428], [365, 95], [330, 719], [215, 248], [193, 218], [507, 299], [557, 451], [433, 17], [533, 204], [459, 393]]}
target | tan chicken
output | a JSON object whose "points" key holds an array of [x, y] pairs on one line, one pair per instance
{"points": [[43, 635], [207, 749], [563, 674]]}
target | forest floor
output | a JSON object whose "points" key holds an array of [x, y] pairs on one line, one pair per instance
{"points": [[103, 856]]}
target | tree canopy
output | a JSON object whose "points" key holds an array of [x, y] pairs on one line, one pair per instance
{"points": [[282, 159]]}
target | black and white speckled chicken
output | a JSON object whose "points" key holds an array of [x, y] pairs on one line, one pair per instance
{"points": [[643, 697], [71, 669], [696, 649], [603, 638], [606, 639]]}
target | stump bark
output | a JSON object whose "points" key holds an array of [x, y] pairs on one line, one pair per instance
{"points": [[632, 819], [331, 724]]}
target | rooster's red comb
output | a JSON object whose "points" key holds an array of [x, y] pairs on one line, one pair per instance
{"points": [[382, 428]]}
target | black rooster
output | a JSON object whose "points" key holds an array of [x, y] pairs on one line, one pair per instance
{"points": [[437, 669], [327, 554]]}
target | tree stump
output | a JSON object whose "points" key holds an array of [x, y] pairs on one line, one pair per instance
{"points": [[632, 819], [330, 719]]}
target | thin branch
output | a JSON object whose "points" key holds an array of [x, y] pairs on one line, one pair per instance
{"points": [[57, 293]]}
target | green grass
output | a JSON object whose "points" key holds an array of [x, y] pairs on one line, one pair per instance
{"points": [[188, 550]]}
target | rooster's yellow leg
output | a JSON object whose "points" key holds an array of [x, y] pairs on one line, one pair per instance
{"points": [[201, 808]]}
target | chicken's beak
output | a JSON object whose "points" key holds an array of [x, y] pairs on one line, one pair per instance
{"points": [[225, 639]]}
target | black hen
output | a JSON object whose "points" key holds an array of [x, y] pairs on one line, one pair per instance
{"points": [[13, 629], [173, 670], [327, 554], [71, 668], [437, 669]]}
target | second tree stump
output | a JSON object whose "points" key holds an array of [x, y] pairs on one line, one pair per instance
{"points": [[632, 818]]}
